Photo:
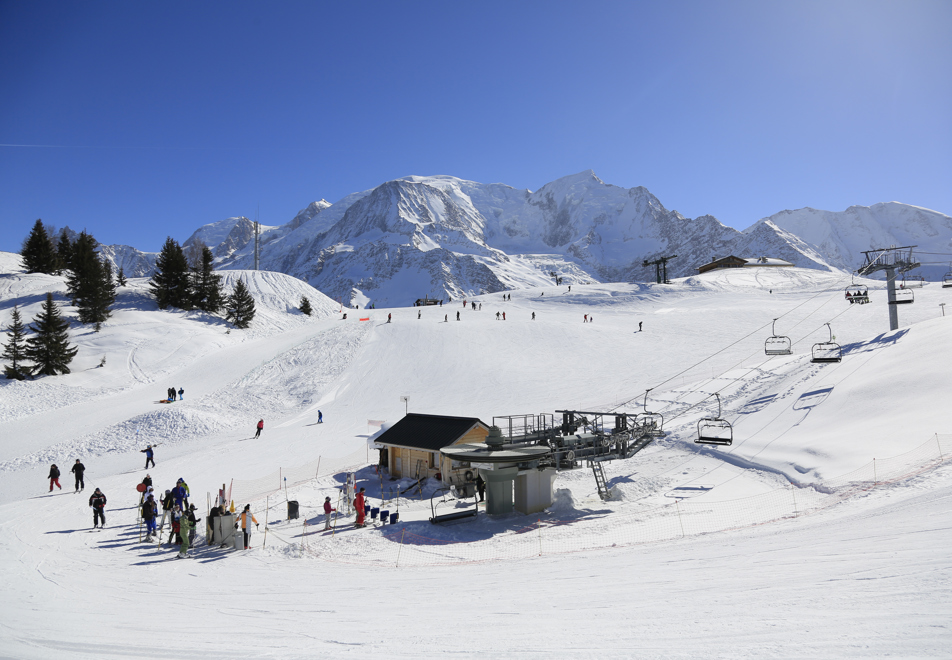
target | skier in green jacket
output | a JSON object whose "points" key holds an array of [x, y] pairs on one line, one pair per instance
{"points": [[185, 526]]}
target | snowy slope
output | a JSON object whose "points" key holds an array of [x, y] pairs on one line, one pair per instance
{"points": [[867, 577]]}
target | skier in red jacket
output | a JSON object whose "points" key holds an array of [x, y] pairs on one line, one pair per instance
{"points": [[360, 506]]}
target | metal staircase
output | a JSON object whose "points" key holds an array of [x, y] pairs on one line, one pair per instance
{"points": [[603, 491]]}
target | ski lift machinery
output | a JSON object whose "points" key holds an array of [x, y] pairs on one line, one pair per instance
{"points": [[715, 430], [777, 344], [827, 351]]}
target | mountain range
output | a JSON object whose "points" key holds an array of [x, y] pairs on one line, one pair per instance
{"points": [[440, 236]]}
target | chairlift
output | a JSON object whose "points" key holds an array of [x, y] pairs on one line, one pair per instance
{"points": [[947, 279], [903, 297], [714, 430], [777, 344], [857, 294], [650, 424], [827, 351]]}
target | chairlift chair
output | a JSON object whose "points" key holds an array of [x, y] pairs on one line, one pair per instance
{"points": [[777, 344], [947, 280], [715, 430], [903, 297], [827, 351], [857, 294], [650, 424]]}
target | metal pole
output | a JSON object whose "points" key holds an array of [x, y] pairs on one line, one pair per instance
{"points": [[891, 298]]}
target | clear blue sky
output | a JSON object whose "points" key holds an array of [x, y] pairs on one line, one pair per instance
{"points": [[153, 118]]}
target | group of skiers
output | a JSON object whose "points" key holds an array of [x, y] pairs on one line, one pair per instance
{"points": [[78, 469], [175, 508], [172, 394]]}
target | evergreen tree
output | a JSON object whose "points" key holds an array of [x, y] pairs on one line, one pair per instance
{"points": [[64, 251], [170, 282], [305, 306], [90, 283], [206, 285], [15, 349], [37, 252], [49, 348], [240, 306], [120, 277]]}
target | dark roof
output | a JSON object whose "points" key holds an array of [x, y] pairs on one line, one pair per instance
{"points": [[429, 432]]}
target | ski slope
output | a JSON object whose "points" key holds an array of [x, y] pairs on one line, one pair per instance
{"points": [[866, 574]]}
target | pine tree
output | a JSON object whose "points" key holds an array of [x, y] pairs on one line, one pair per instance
{"points": [[15, 349], [305, 306], [120, 277], [64, 251], [89, 283], [240, 306], [206, 285], [170, 282], [49, 348], [37, 252]]}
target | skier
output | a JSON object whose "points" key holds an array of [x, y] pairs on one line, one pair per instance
{"points": [[193, 523], [147, 482], [639, 325], [419, 314], [167, 503], [497, 316], [247, 518], [320, 417], [149, 456], [457, 316], [149, 512], [533, 316], [186, 528], [389, 317], [78, 469], [175, 533], [446, 318], [361, 508], [570, 287], [480, 307], [180, 494], [181, 393], [503, 316], [54, 477], [328, 510], [260, 426], [97, 501], [585, 319], [480, 486]]}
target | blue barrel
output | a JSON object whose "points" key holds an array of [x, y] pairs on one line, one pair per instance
{"points": [[384, 515], [394, 517], [366, 509], [373, 513]]}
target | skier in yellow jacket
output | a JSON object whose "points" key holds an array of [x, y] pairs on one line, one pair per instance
{"points": [[247, 518]]}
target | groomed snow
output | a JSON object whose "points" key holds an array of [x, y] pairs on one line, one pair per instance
{"points": [[860, 571]]}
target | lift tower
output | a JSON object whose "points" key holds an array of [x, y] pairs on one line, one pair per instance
{"points": [[889, 259], [661, 268]]}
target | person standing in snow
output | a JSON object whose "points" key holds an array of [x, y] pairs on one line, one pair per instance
{"points": [[180, 494], [149, 512], [260, 426], [503, 316], [328, 510], [419, 314], [193, 524], [533, 316], [585, 319], [167, 503], [480, 486], [457, 315], [175, 533], [186, 528], [149, 456], [54, 477], [360, 505], [77, 470], [389, 316], [246, 519], [97, 501], [181, 393], [320, 417], [222, 497]]}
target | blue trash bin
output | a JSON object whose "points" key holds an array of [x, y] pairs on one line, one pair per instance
{"points": [[384, 515], [394, 517], [373, 513]]}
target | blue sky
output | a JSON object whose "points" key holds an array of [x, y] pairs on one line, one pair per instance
{"points": [[151, 119]]}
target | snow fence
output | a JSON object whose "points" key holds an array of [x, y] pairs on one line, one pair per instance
{"points": [[564, 529]]}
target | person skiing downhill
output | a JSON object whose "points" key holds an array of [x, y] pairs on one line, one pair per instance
{"points": [[97, 502], [260, 426], [388, 318], [54, 477], [78, 469], [149, 456], [639, 325], [320, 417]]}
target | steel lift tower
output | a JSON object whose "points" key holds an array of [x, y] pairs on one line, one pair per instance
{"points": [[891, 260], [661, 268]]}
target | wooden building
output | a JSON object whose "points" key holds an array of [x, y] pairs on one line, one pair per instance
{"points": [[737, 262], [411, 447]]}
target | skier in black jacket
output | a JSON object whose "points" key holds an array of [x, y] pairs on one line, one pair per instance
{"points": [[78, 469], [98, 503], [149, 511], [167, 502]]}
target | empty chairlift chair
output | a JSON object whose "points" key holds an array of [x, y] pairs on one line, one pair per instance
{"points": [[947, 279], [904, 296], [650, 424], [715, 430], [827, 351], [777, 344]]}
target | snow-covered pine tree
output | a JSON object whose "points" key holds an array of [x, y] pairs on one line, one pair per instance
{"points": [[206, 285], [240, 306], [305, 306], [38, 253], [15, 349], [64, 251], [170, 282], [90, 283], [49, 348], [120, 277]]}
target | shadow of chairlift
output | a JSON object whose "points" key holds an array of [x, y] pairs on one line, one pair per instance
{"points": [[827, 351], [715, 430], [457, 515]]}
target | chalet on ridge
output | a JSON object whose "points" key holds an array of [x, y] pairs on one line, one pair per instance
{"points": [[737, 262], [411, 447]]}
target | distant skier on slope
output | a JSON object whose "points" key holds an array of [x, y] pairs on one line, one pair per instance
{"points": [[149, 456], [181, 393], [260, 426], [320, 417], [97, 501], [54, 477], [639, 325], [78, 469]]}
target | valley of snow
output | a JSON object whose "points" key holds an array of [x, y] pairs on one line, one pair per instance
{"points": [[765, 548]]}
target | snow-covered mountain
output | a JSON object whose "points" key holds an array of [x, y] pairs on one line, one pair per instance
{"points": [[441, 236]]}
